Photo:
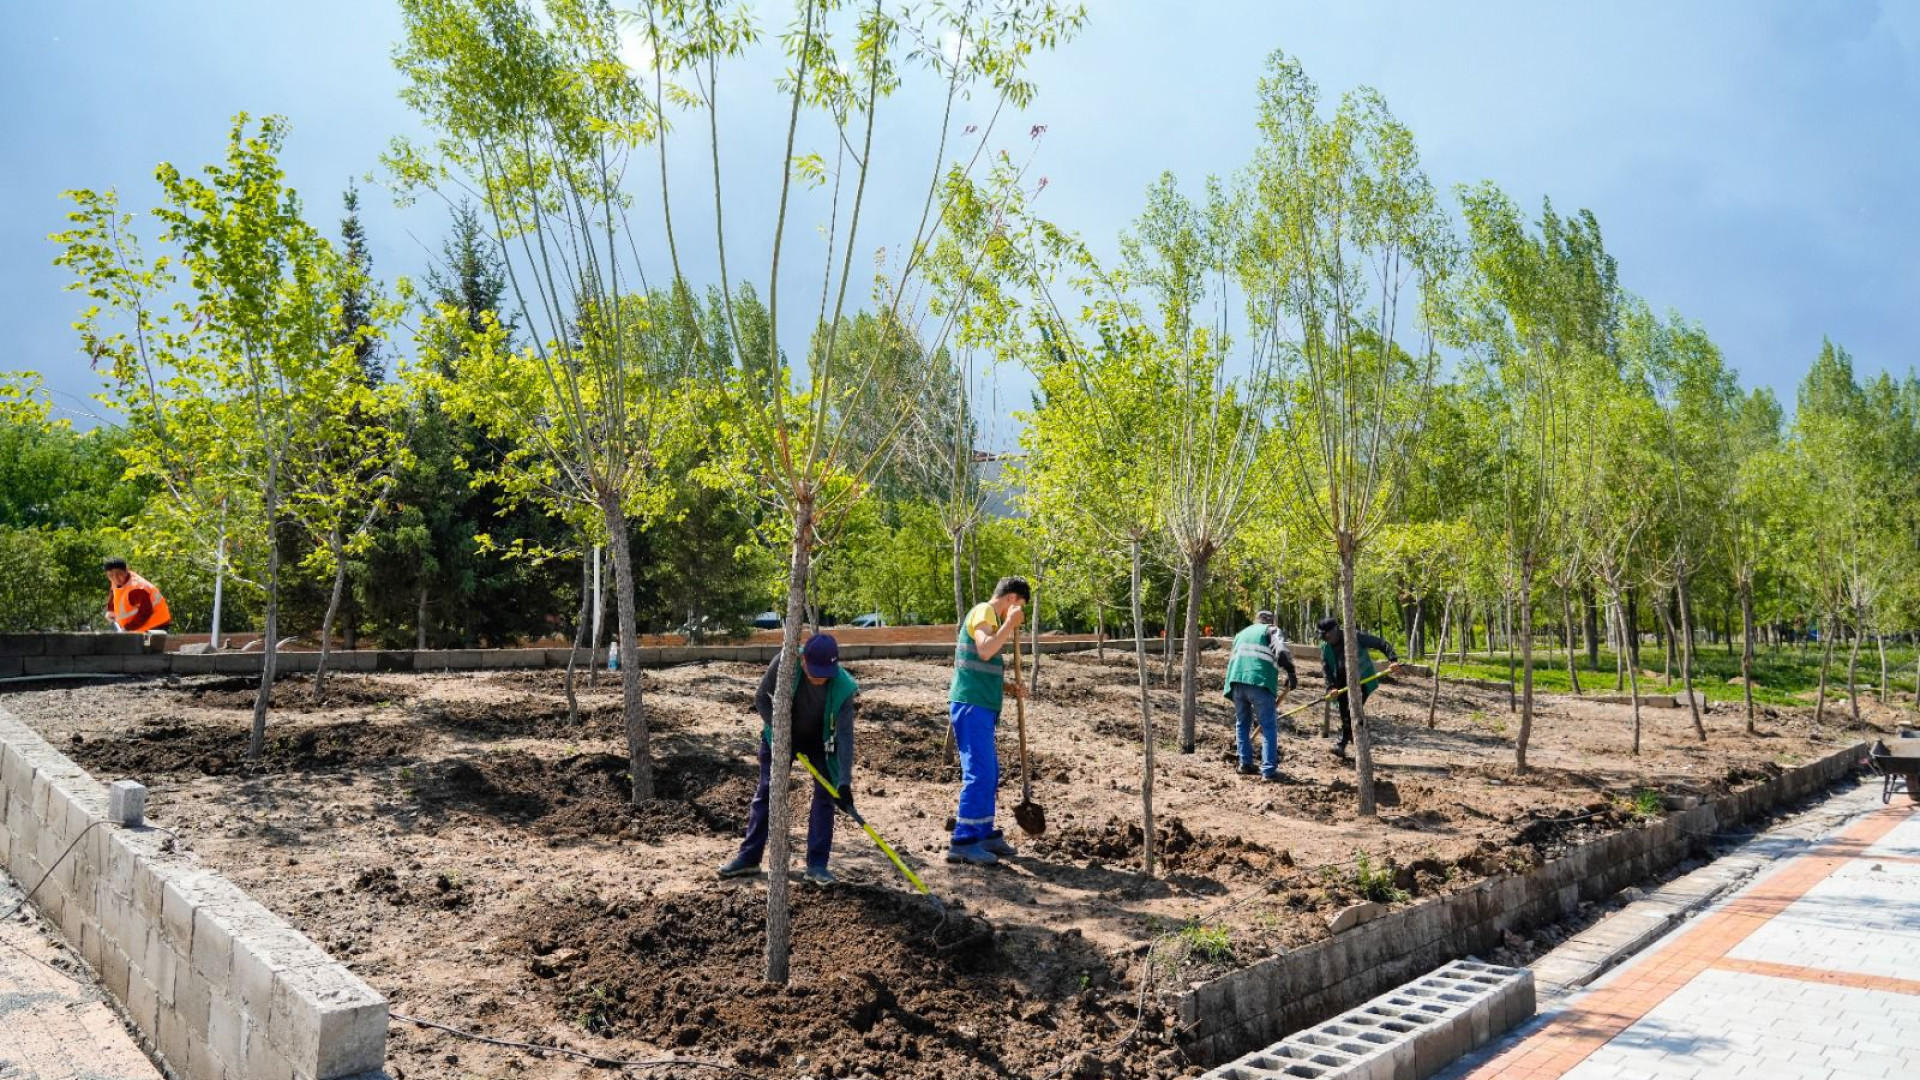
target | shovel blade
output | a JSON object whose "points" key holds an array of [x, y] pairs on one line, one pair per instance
{"points": [[1031, 817]]}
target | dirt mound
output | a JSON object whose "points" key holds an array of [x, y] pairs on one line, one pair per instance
{"points": [[1118, 843], [162, 749], [590, 795], [538, 718], [882, 985], [291, 692]]}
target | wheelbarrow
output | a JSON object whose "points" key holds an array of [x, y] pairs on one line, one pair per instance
{"points": [[1898, 766]]}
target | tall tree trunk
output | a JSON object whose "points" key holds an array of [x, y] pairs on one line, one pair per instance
{"points": [[1356, 697], [1190, 648], [1506, 619], [639, 757], [1100, 631], [1686, 655], [1033, 623], [960, 604], [269, 648], [1617, 632], [1146, 719], [1630, 630], [420, 620], [337, 549], [1573, 666], [1439, 657], [1633, 679], [1592, 625], [1746, 649], [779, 806], [580, 630], [1526, 662], [1166, 640], [1826, 662], [1853, 668], [1880, 640], [1466, 630], [1415, 644]]}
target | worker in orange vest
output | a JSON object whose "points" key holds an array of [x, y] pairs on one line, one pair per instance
{"points": [[135, 604]]}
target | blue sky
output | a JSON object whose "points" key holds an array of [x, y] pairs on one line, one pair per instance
{"points": [[1752, 162]]}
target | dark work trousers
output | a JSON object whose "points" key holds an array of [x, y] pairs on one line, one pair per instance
{"points": [[819, 817], [1346, 715]]}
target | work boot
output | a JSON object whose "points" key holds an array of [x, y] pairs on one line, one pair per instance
{"points": [[997, 846], [1340, 749], [818, 875], [974, 854], [738, 866], [1247, 769], [1273, 777]]}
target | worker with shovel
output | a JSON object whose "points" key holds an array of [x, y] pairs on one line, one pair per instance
{"points": [[1253, 680], [824, 697], [978, 690], [1333, 654]]}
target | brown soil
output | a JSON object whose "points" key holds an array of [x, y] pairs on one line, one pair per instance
{"points": [[475, 855]]}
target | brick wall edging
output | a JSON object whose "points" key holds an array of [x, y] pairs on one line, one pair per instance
{"points": [[1261, 1003], [221, 987]]}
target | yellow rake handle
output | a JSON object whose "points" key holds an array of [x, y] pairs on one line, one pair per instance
{"points": [[862, 822], [1336, 693]]}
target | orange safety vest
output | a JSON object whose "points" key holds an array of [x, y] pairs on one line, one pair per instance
{"points": [[123, 609]]}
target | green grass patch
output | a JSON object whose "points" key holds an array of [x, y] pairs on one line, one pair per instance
{"points": [[1779, 678], [1207, 942], [1376, 882], [1646, 804]]}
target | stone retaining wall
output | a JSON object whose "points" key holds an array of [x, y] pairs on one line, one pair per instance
{"points": [[1255, 1006], [221, 988]]}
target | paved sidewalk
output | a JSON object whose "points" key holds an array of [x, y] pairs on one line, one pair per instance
{"points": [[1811, 971], [55, 1023]]}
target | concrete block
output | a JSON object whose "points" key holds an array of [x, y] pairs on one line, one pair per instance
{"points": [[143, 1003], [1349, 917], [160, 965], [435, 659], [12, 667], [127, 802], [327, 1022], [212, 952], [178, 900], [264, 1061], [48, 665], [114, 971], [170, 1037], [146, 665], [192, 999], [22, 644], [201, 1062]]}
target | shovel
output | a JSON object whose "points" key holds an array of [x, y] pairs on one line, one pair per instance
{"points": [[1375, 677], [878, 840], [1031, 816]]}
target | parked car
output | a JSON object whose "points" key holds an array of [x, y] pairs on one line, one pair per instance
{"points": [[767, 620], [870, 620]]}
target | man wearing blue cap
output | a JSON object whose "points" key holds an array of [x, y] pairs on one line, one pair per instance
{"points": [[823, 703]]}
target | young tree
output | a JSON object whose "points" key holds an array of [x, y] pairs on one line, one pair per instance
{"points": [[1345, 242], [218, 391]]}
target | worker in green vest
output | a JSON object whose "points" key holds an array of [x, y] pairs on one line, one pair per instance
{"points": [[978, 690], [1253, 681]]}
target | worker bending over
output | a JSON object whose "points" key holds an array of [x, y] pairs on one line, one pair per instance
{"points": [[1333, 657], [824, 698], [134, 604], [1253, 680]]}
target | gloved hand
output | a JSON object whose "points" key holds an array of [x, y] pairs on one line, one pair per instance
{"points": [[844, 800], [1293, 680]]}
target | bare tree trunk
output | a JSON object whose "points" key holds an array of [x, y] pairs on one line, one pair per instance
{"points": [[1573, 667], [1166, 640], [1853, 668], [1439, 657], [1466, 630], [269, 648], [1686, 656], [1633, 679], [1100, 631], [1880, 641], [779, 820], [1415, 644], [959, 590], [420, 620], [1617, 630], [1506, 618], [337, 549], [580, 630], [1826, 662], [1356, 695], [1592, 626], [1146, 719], [1631, 628], [640, 759], [1746, 649], [1190, 649], [1033, 671], [1526, 668]]}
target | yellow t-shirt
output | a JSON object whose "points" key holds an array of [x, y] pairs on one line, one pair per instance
{"points": [[982, 617]]}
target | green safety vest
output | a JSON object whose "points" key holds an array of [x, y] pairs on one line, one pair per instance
{"points": [[1254, 661], [976, 681], [840, 690], [1332, 662]]}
